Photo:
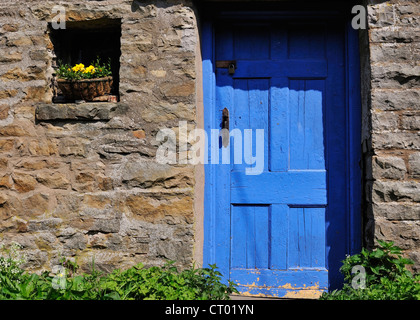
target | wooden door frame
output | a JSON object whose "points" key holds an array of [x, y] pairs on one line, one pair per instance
{"points": [[353, 132]]}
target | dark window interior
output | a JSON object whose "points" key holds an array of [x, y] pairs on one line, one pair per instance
{"points": [[84, 41]]}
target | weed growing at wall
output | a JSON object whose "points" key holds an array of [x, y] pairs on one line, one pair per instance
{"points": [[136, 283], [380, 274]]}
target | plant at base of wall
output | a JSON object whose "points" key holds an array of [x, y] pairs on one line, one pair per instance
{"points": [[167, 283], [135, 283], [11, 259], [383, 272]]}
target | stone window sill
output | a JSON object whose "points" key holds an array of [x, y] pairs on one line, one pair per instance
{"points": [[95, 111]]}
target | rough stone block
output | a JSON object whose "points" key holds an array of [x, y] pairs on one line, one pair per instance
{"points": [[6, 182], [36, 94], [394, 52], [390, 99], [24, 182], [53, 180], [415, 256], [410, 121], [402, 191], [395, 75], [389, 168], [11, 56], [173, 250], [13, 130], [3, 164], [123, 144], [147, 174], [384, 121], [35, 205], [164, 111], [105, 225], [407, 8], [17, 74], [32, 165], [42, 147], [35, 259], [38, 54], [414, 164], [19, 41], [155, 208], [97, 241], [77, 241], [97, 201], [4, 111], [397, 211], [396, 140], [7, 145], [403, 233], [8, 93], [49, 224], [394, 34], [72, 147], [381, 15], [139, 134], [407, 14]]}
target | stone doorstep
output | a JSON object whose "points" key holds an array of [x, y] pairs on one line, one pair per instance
{"points": [[89, 111]]}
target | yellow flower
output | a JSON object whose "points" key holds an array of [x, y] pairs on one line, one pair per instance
{"points": [[78, 67], [90, 69]]}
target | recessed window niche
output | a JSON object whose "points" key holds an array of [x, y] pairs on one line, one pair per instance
{"points": [[85, 41]]}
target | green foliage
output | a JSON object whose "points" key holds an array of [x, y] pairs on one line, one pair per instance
{"points": [[167, 283], [10, 261], [136, 283], [79, 71], [69, 265], [386, 276]]}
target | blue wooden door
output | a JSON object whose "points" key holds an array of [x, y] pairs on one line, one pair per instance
{"points": [[278, 231]]}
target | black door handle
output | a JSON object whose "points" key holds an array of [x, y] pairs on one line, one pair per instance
{"points": [[225, 119], [225, 127]]}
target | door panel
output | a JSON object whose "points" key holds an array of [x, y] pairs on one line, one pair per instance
{"points": [[250, 245], [306, 149], [274, 227]]}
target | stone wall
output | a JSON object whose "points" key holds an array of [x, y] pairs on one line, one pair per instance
{"points": [[392, 141], [81, 181]]}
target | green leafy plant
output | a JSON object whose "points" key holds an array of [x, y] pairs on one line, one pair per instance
{"points": [[11, 260], [136, 283], [78, 72], [70, 265], [166, 283], [385, 274]]}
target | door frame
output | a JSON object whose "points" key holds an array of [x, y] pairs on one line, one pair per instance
{"points": [[353, 131]]}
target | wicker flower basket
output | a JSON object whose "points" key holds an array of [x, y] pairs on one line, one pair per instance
{"points": [[86, 89]]}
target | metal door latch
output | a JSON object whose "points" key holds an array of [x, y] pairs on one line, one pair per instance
{"points": [[225, 127], [227, 64], [225, 119], [232, 68]]}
